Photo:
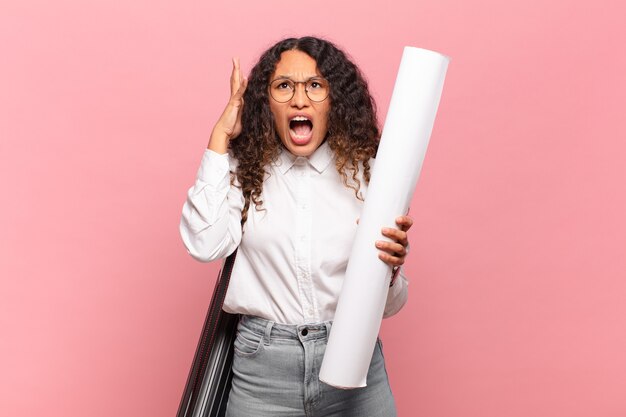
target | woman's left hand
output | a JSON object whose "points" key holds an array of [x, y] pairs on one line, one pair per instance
{"points": [[394, 253]]}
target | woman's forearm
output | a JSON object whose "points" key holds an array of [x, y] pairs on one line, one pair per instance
{"points": [[210, 225]]}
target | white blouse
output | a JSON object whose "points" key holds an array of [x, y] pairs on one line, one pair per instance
{"points": [[294, 251]]}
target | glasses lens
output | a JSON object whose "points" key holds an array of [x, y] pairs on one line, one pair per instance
{"points": [[317, 89], [282, 90]]}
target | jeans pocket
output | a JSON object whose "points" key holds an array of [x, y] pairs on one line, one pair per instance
{"points": [[247, 343]]}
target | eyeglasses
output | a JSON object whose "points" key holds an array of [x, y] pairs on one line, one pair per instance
{"points": [[283, 89]]}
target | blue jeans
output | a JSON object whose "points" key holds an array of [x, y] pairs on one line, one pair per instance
{"points": [[276, 373]]}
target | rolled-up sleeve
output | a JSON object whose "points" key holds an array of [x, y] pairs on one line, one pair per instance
{"points": [[397, 296], [210, 225]]}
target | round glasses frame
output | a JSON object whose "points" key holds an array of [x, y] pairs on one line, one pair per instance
{"points": [[293, 84]]}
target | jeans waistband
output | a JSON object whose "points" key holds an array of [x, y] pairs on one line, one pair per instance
{"points": [[272, 330]]}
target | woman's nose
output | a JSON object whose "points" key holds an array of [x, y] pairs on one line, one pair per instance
{"points": [[300, 99]]}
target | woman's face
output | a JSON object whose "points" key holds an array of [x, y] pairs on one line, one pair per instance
{"points": [[306, 133]]}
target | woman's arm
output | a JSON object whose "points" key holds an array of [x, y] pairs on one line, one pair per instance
{"points": [[210, 225], [397, 296], [211, 222], [229, 124], [394, 254]]}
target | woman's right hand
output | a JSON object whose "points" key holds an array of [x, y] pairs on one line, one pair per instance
{"points": [[229, 124]]}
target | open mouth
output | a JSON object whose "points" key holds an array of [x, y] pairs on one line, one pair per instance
{"points": [[301, 129]]}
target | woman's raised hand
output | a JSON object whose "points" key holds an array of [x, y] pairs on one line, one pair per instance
{"points": [[229, 124]]}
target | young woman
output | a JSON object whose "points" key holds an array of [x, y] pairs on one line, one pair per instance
{"points": [[283, 180]]}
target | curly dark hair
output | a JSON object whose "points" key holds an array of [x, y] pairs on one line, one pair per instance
{"points": [[353, 132]]}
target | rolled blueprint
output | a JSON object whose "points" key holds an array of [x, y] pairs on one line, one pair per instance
{"points": [[398, 164]]}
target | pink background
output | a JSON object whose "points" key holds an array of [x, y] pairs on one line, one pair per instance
{"points": [[517, 304]]}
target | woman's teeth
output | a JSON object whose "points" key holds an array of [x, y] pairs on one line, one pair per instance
{"points": [[300, 127]]}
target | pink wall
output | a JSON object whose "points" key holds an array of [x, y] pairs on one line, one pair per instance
{"points": [[518, 297]]}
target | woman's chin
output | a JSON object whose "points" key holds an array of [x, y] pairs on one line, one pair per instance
{"points": [[301, 150]]}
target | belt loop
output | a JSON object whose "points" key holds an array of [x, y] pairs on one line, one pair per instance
{"points": [[268, 332], [328, 326]]}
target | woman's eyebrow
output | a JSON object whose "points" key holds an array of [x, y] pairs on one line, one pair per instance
{"points": [[289, 77]]}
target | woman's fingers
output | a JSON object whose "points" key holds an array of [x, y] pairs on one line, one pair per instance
{"points": [[241, 77], [400, 236], [231, 118], [394, 253], [391, 260], [404, 222], [393, 248], [241, 89], [237, 128], [235, 77], [228, 126]]}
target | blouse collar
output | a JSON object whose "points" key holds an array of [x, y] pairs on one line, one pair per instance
{"points": [[319, 160]]}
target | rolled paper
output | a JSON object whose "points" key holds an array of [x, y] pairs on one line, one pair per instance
{"points": [[399, 159]]}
